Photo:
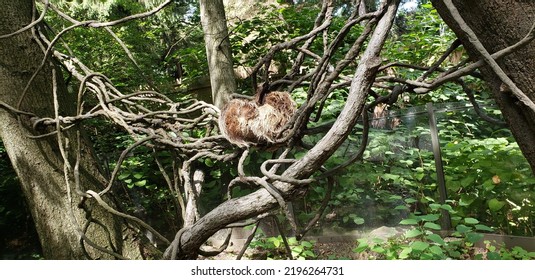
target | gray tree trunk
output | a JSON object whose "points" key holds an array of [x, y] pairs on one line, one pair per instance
{"points": [[218, 51], [499, 24], [38, 163]]}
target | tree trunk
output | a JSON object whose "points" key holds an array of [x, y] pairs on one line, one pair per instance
{"points": [[218, 51], [53, 203], [499, 24]]}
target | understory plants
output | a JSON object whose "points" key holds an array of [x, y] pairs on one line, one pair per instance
{"points": [[425, 240]]}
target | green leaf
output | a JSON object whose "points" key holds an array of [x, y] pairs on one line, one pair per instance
{"points": [[291, 241], [404, 254], [463, 229], [309, 253], [419, 176], [419, 245], [413, 233], [467, 181], [484, 228], [430, 217], [141, 183], [471, 221], [466, 200], [493, 256], [436, 250], [216, 173], [408, 222], [392, 177], [209, 162], [454, 186], [473, 237], [495, 205], [123, 176], [454, 254], [432, 226], [362, 245], [401, 207], [378, 249], [434, 206], [447, 207], [358, 220], [426, 256], [436, 238], [488, 185]]}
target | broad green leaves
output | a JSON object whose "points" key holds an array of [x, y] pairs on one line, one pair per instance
{"points": [[423, 240]]}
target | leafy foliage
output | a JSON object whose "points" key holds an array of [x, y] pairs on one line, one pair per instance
{"points": [[274, 249], [165, 47], [400, 166], [421, 241]]}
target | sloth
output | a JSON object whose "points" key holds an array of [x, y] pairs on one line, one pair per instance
{"points": [[256, 122]]}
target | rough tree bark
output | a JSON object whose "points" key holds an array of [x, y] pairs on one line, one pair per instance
{"points": [[38, 162], [499, 24], [218, 51]]}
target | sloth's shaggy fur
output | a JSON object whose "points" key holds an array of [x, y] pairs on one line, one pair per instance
{"points": [[245, 122]]}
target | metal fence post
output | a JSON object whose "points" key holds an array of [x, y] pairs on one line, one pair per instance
{"points": [[441, 181]]}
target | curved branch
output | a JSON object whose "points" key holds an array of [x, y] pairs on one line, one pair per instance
{"points": [[120, 161], [331, 182], [479, 112], [102, 203]]}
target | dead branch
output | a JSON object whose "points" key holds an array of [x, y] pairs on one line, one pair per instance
{"points": [[331, 182]]}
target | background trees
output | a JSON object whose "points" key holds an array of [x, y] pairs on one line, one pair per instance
{"points": [[174, 181]]}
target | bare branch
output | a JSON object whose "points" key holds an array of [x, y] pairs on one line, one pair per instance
{"points": [[102, 203], [477, 108]]}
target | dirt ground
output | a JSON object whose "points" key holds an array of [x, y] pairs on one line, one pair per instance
{"points": [[330, 245], [324, 249]]}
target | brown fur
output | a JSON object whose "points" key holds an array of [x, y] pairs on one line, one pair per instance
{"points": [[245, 122]]}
